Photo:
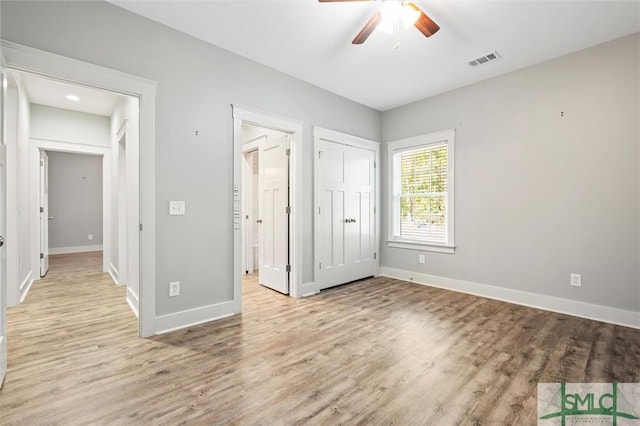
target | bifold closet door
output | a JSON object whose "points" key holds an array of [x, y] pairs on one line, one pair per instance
{"points": [[346, 190]]}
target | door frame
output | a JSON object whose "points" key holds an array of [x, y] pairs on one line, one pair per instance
{"points": [[38, 145], [50, 65], [43, 216], [295, 129], [248, 227], [321, 133], [4, 75]]}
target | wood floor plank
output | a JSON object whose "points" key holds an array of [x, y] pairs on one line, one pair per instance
{"points": [[376, 351]]}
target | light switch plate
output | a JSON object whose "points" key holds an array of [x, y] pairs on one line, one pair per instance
{"points": [[177, 208]]}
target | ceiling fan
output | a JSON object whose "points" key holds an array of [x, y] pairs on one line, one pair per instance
{"points": [[393, 11]]}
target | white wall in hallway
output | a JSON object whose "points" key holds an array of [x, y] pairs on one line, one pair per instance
{"points": [[27, 270], [69, 126], [19, 271]]}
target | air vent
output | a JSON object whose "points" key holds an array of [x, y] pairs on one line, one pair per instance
{"points": [[484, 59]]}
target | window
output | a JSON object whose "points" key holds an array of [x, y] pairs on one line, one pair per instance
{"points": [[421, 183]]}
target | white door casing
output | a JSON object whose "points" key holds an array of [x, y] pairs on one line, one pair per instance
{"points": [[44, 213], [346, 197], [273, 223], [3, 215]]}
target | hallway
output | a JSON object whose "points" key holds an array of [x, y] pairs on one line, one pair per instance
{"points": [[72, 330]]}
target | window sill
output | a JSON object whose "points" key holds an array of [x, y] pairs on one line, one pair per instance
{"points": [[415, 245]]}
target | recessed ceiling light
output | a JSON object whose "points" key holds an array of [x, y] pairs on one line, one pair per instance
{"points": [[73, 98]]}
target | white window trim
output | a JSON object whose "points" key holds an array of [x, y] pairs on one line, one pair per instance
{"points": [[422, 141]]}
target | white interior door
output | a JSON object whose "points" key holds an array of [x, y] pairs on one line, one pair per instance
{"points": [[359, 208], [44, 213], [274, 219], [345, 214], [3, 223]]}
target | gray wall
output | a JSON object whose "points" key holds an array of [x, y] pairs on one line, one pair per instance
{"points": [[539, 196], [75, 199], [197, 83]]}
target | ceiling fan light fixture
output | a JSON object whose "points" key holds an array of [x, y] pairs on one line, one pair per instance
{"points": [[409, 15], [386, 25], [390, 12], [391, 9]]}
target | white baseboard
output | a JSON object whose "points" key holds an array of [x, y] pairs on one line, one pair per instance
{"points": [[74, 249], [25, 286], [132, 300], [114, 273], [309, 289], [533, 300], [191, 317]]}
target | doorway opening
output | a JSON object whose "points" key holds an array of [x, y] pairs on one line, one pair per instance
{"points": [[266, 206], [78, 128], [44, 213], [267, 222], [251, 212], [25, 60], [71, 191]]}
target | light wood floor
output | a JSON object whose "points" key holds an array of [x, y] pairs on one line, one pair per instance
{"points": [[378, 351]]}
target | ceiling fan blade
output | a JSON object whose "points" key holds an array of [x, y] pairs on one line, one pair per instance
{"points": [[366, 31], [424, 24]]}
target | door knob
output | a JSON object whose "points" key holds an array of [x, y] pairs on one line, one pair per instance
{"points": [[1, 241], [259, 221], [50, 218]]}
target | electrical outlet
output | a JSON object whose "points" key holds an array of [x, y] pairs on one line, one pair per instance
{"points": [[421, 258], [576, 280], [90, 237], [174, 288]]}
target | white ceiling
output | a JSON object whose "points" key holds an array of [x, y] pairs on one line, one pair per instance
{"points": [[312, 40], [45, 91]]}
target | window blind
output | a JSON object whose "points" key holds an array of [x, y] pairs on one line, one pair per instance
{"points": [[423, 194]]}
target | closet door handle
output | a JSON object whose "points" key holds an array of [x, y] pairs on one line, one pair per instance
{"points": [[259, 221]]}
